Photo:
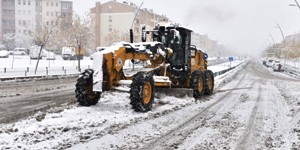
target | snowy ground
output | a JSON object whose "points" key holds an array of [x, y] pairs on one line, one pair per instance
{"points": [[24, 66], [252, 108]]}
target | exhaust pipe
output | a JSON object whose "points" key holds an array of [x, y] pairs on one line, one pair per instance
{"points": [[131, 36]]}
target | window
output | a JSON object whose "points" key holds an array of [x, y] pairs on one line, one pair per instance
{"points": [[47, 13], [24, 2], [110, 20], [47, 23], [29, 2], [24, 22], [47, 3], [52, 13], [20, 22], [110, 29], [19, 2], [56, 4], [24, 33], [29, 22], [20, 31]]}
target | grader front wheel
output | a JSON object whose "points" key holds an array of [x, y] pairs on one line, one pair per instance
{"points": [[142, 92], [84, 89]]}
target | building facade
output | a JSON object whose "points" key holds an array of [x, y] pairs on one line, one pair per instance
{"points": [[24, 21], [113, 20], [7, 16], [21, 17]]}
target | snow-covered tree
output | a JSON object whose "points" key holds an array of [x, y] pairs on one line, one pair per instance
{"points": [[82, 35], [8, 40], [42, 35]]}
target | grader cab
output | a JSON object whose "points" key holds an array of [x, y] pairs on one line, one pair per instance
{"points": [[169, 61]]}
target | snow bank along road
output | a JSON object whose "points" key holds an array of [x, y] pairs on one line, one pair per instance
{"points": [[252, 108]]}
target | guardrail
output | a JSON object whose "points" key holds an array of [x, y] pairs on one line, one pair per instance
{"points": [[45, 72], [52, 73], [218, 73]]}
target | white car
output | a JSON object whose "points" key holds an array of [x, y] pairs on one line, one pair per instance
{"points": [[20, 51], [4, 54], [50, 56]]}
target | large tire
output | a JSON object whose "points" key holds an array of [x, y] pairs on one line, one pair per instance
{"points": [[142, 92], [197, 83], [84, 89], [209, 82]]}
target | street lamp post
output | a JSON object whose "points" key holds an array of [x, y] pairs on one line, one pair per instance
{"points": [[297, 4], [284, 44], [131, 30]]}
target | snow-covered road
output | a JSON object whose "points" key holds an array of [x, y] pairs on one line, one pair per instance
{"points": [[251, 108]]}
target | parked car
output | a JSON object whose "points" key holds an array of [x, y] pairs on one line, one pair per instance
{"points": [[20, 51], [50, 56], [269, 63], [4, 54]]}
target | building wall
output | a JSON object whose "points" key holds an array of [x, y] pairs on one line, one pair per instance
{"points": [[115, 19], [8, 16], [25, 22], [115, 26], [1, 19], [51, 9], [66, 14]]}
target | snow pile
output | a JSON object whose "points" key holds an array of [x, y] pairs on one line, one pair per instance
{"points": [[80, 124]]}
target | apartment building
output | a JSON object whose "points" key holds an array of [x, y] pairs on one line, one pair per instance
{"points": [[21, 17], [67, 14], [0, 20], [24, 21], [113, 20], [7, 16]]}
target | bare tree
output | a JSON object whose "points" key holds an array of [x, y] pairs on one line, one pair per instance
{"points": [[42, 36], [112, 37], [82, 35]]}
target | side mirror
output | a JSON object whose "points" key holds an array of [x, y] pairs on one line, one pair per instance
{"points": [[144, 34]]}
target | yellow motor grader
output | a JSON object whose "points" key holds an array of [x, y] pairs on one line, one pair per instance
{"points": [[169, 61]]}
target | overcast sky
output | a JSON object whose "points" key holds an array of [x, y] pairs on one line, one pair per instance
{"points": [[243, 25]]}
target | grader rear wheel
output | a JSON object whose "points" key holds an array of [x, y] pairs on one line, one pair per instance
{"points": [[197, 83], [142, 92], [84, 89], [209, 82]]}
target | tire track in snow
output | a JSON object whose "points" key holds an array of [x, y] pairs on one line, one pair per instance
{"points": [[242, 144], [23, 106], [182, 131]]}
